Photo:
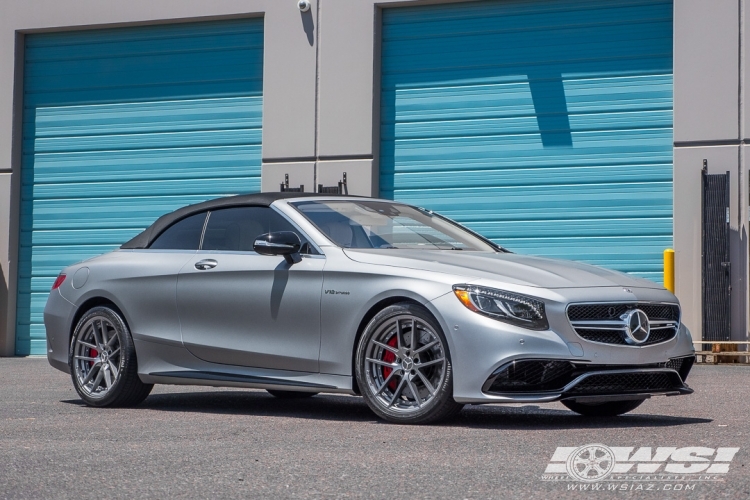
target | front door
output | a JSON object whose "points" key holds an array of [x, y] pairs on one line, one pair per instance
{"points": [[237, 307]]}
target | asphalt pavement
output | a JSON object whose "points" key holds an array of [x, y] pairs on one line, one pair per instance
{"points": [[200, 442]]}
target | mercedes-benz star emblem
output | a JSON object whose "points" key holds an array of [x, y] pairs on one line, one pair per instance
{"points": [[637, 327]]}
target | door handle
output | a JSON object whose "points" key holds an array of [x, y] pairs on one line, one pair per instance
{"points": [[204, 265]]}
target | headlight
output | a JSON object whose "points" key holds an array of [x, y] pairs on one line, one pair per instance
{"points": [[512, 308]]}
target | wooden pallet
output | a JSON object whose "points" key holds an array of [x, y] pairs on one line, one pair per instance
{"points": [[727, 349]]}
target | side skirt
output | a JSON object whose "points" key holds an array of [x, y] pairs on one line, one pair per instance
{"points": [[173, 365], [250, 380]]}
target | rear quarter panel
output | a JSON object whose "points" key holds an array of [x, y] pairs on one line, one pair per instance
{"points": [[141, 283]]}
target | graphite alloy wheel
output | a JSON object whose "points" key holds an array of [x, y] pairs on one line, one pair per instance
{"points": [[403, 367], [608, 409], [290, 394], [103, 363]]}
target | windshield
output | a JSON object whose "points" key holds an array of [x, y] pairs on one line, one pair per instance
{"points": [[380, 224]]}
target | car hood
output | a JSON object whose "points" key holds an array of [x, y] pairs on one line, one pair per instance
{"points": [[507, 267]]}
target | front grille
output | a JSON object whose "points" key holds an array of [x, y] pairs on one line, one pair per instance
{"points": [[601, 322], [618, 383], [611, 311], [602, 336], [616, 337]]}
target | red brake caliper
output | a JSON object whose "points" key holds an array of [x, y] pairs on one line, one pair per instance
{"points": [[92, 353], [389, 357]]}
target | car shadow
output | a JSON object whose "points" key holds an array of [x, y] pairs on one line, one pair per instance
{"points": [[333, 407], [538, 417]]}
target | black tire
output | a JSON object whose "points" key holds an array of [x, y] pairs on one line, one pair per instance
{"points": [[290, 394], [438, 405], [607, 409], [125, 388]]}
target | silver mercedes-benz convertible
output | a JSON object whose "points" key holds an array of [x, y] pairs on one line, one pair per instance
{"points": [[302, 294]]}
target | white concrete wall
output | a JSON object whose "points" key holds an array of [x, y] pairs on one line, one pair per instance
{"points": [[709, 123]]}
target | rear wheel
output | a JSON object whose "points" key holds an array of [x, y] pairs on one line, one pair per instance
{"points": [[103, 363], [290, 394], [607, 409], [403, 367]]}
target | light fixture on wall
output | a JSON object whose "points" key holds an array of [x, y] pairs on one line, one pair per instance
{"points": [[303, 5]]}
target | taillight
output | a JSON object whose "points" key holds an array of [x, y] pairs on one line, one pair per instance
{"points": [[58, 281]]}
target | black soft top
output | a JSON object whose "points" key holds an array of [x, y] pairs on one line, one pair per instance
{"points": [[144, 239]]}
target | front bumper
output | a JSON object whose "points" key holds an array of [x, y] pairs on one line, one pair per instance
{"points": [[480, 346], [552, 380]]}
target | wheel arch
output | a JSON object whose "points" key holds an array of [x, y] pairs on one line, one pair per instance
{"points": [[375, 309], [89, 304]]}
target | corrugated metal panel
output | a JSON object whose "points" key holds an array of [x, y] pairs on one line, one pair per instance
{"points": [[545, 125], [121, 126]]}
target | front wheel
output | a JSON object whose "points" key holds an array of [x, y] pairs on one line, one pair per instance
{"points": [[607, 409], [403, 367], [103, 363]]}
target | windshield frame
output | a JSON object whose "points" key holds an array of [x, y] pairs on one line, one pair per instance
{"points": [[468, 233]]}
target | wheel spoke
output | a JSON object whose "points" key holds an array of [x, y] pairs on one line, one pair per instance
{"points": [[113, 368], [385, 383], [397, 392], [382, 363], [111, 340], [85, 358], [104, 331], [90, 346], [90, 374], [414, 392], [107, 376], [426, 383], [98, 379], [414, 336], [429, 363], [425, 347], [413, 333], [399, 334], [97, 334], [114, 352], [386, 347]]}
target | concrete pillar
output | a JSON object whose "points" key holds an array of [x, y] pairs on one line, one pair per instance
{"points": [[707, 125]]}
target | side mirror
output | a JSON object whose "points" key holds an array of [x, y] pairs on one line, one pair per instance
{"points": [[284, 243]]}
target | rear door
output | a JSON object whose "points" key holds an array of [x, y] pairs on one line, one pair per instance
{"points": [[147, 285]]}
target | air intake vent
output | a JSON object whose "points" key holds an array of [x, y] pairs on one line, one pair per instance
{"points": [[618, 383]]}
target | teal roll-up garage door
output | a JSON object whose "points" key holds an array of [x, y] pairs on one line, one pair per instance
{"points": [[121, 126], [544, 124]]}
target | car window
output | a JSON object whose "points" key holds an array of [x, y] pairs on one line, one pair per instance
{"points": [[386, 225], [236, 229], [182, 235]]}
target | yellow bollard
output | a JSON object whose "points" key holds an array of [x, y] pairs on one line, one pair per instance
{"points": [[669, 269]]}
